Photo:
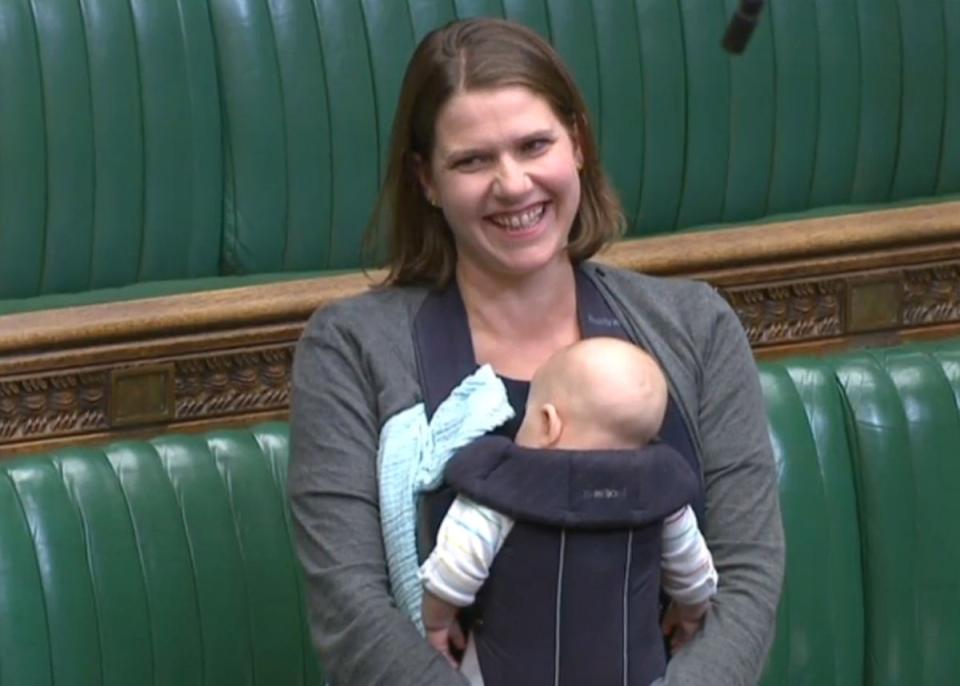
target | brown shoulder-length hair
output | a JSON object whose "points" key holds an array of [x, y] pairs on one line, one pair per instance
{"points": [[476, 54]]}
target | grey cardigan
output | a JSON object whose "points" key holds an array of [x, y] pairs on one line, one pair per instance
{"points": [[355, 367]]}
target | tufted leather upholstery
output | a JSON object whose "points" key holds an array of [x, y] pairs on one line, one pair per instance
{"points": [[160, 562], [149, 141], [905, 433], [111, 129], [866, 445], [820, 627]]}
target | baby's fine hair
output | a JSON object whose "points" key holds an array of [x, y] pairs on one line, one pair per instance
{"points": [[612, 386]]}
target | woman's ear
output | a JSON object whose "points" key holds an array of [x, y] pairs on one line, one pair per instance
{"points": [[421, 168], [575, 138]]}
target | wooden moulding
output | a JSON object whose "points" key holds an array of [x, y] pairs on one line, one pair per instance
{"points": [[193, 361], [176, 315]]}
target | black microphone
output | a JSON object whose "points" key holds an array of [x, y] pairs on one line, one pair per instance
{"points": [[742, 24]]}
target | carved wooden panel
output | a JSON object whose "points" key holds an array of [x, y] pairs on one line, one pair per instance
{"points": [[53, 405], [931, 295], [233, 383], [205, 387], [788, 312], [829, 306]]}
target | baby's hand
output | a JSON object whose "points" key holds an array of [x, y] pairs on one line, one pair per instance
{"points": [[682, 622], [445, 639], [441, 626]]}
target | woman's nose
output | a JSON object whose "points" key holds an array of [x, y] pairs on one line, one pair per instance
{"points": [[511, 179]]}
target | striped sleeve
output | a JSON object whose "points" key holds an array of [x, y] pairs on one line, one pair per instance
{"points": [[689, 576], [470, 536]]}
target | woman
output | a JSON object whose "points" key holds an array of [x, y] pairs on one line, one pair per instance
{"points": [[494, 199]]}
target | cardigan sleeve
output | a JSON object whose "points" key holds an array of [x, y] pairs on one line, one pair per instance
{"points": [[359, 634], [742, 528]]}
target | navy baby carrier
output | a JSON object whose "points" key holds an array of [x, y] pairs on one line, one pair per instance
{"points": [[573, 595]]}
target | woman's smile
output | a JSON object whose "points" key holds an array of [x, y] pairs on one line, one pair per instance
{"points": [[523, 221]]}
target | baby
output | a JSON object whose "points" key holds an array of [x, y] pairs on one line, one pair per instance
{"points": [[600, 393]]}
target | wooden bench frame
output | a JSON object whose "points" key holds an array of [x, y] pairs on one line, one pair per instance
{"points": [[188, 362]]}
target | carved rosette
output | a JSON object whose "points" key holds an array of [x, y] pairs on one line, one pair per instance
{"points": [[53, 405], [790, 312]]}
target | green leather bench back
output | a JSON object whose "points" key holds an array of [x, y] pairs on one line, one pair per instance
{"points": [[820, 625], [165, 562], [111, 129], [866, 445], [149, 141], [906, 438], [172, 557]]}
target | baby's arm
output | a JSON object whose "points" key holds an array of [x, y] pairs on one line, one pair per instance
{"points": [[469, 538], [689, 576]]}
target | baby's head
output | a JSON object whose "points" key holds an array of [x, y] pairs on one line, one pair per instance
{"points": [[599, 393]]}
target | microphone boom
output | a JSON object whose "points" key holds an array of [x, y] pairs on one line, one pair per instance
{"points": [[741, 26]]}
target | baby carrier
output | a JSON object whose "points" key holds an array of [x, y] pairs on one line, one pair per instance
{"points": [[573, 595]]}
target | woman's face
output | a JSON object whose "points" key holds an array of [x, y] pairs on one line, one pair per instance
{"points": [[505, 172]]}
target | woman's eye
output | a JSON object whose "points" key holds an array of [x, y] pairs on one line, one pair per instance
{"points": [[471, 163], [537, 145]]}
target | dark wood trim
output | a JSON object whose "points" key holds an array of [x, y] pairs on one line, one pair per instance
{"points": [[190, 313], [734, 255], [199, 389], [743, 249]]}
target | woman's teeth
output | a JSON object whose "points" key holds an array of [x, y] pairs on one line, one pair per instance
{"points": [[520, 220]]}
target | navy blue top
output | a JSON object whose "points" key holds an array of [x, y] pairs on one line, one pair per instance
{"points": [[517, 393]]}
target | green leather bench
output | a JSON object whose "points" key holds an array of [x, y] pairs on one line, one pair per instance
{"points": [[164, 562], [168, 561], [152, 148], [867, 445]]}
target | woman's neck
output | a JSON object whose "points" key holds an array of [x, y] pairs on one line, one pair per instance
{"points": [[517, 323]]}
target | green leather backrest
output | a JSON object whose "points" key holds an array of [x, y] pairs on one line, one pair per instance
{"points": [[866, 445], [165, 562], [111, 169], [159, 140], [905, 426], [820, 625]]}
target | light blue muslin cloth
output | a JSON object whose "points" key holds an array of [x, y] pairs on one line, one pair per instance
{"points": [[410, 462]]}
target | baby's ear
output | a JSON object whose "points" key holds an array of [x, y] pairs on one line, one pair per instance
{"points": [[552, 425]]}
